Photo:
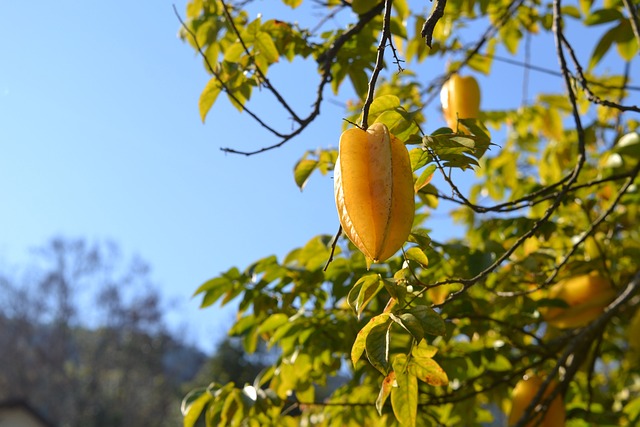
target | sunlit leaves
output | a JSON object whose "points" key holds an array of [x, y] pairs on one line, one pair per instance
{"points": [[365, 289], [429, 320], [400, 348], [363, 6], [361, 339], [385, 390], [387, 109], [193, 404], [208, 97], [416, 254], [302, 170], [404, 397], [292, 3], [459, 151], [602, 16]]}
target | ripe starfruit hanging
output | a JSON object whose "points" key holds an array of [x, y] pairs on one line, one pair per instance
{"points": [[373, 185], [524, 392], [460, 98], [586, 295]]}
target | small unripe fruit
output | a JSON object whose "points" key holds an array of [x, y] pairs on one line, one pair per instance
{"points": [[522, 396], [460, 98], [373, 185]]}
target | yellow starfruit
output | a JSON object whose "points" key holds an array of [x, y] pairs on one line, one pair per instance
{"points": [[587, 295], [460, 98], [524, 392], [373, 185]]}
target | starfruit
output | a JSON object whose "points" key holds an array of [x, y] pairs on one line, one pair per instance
{"points": [[373, 185], [460, 98], [523, 394], [586, 296]]}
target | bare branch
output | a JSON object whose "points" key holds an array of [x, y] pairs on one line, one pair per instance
{"points": [[430, 24], [334, 243], [583, 82]]}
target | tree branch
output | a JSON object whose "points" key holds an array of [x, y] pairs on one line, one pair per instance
{"points": [[633, 18], [221, 82], [262, 76], [575, 352], [430, 24], [325, 60], [386, 35], [583, 82]]}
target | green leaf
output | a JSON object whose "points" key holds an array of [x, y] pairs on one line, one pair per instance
{"points": [[428, 371], [629, 145], [303, 170], [602, 47], [421, 237], [273, 322], [365, 289], [430, 321], [232, 410], [400, 122], [292, 3], [511, 37], [603, 16], [383, 103], [422, 349], [215, 283], [632, 408], [416, 254], [361, 339], [385, 390], [626, 43], [234, 52], [419, 158], [404, 397], [402, 8], [214, 293], [359, 80], [193, 406], [482, 63], [585, 6], [571, 11], [266, 47], [377, 346], [208, 97], [363, 6], [411, 324]]}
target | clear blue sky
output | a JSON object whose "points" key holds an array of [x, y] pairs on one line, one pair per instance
{"points": [[100, 137]]}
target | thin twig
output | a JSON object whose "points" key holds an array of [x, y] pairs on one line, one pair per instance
{"points": [[386, 35], [574, 353], [221, 81], [262, 76], [583, 82], [334, 242], [623, 190], [534, 198]]}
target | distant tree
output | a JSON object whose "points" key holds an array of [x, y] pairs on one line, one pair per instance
{"points": [[83, 338]]}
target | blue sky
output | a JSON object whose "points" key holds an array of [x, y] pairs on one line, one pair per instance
{"points": [[100, 137]]}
